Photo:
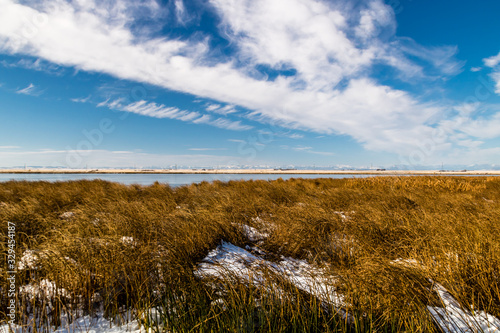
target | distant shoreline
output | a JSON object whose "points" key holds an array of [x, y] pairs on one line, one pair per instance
{"points": [[250, 171]]}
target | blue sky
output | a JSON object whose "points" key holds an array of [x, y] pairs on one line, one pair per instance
{"points": [[86, 83]]}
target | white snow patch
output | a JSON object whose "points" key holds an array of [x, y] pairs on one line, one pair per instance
{"points": [[71, 261], [344, 215], [129, 241], [228, 259], [67, 215], [453, 319], [311, 279], [257, 220], [29, 260], [406, 262], [264, 226], [45, 289], [88, 324], [252, 234]]}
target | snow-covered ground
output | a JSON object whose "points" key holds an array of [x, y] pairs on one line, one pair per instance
{"points": [[452, 318], [97, 324], [253, 234], [230, 260]]}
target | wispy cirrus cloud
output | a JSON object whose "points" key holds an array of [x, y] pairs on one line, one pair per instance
{"points": [[212, 107], [222, 123], [478, 127], [310, 150], [296, 136], [180, 12], [441, 59], [217, 108], [81, 99], [31, 90], [151, 109], [301, 148], [34, 64]]}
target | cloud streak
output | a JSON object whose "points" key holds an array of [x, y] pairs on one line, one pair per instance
{"points": [[493, 62], [160, 111], [81, 100], [309, 150], [36, 65], [30, 90]]}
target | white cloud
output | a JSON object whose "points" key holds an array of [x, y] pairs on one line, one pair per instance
{"points": [[212, 107], [309, 150], [82, 100], [227, 124], [441, 58], [481, 128], [228, 109], [470, 143], [122, 152], [216, 108], [29, 90], [332, 50], [492, 61], [306, 35], [180, 11], [107, 103], [9, 147], [37, 65], [372, 19], [323, 153], [155, 110], [496, 77], [151, 109], [301, 148], [476, 69], [472, 156]]}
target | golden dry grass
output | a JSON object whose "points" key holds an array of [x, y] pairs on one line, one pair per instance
{"points": [[360, 230]]}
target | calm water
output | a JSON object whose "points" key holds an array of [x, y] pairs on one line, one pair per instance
{"points": [[172, 180]]}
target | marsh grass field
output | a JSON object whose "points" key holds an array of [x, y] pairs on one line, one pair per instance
{"points": [[388, 247]]}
